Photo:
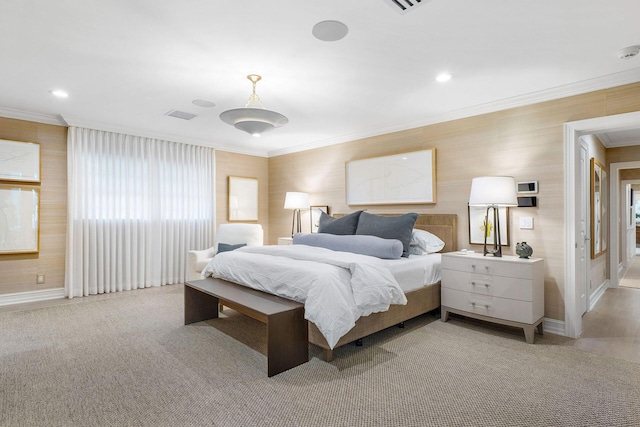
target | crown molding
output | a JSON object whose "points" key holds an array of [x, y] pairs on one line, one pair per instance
{"points": [[564, 91], [577, 88], [49, 119]]}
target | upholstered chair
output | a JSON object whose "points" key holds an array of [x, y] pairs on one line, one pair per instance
{"points": [[231, 234]]}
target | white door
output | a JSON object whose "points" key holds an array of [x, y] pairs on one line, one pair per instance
{"points": [[583, 251]]}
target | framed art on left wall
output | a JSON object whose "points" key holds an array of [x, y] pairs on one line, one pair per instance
{"points": [[19, 161], [19, 219]]}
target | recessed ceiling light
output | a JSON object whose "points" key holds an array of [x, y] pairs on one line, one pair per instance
{"points": [[203, 103], [59, 93], [329, 31], [444, 77]]}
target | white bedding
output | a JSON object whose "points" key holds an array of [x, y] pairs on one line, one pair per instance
{"points": [[335, 287], [416, 271]]}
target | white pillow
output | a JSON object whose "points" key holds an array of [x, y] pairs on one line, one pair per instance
{"points": [[416, 250], [426, 241]]}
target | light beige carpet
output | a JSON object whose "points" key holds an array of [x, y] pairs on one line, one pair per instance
{"points": [[631, 278], [130, 361]]}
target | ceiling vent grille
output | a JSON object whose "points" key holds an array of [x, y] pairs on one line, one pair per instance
{"points": [[180, 114], [404, 6]]}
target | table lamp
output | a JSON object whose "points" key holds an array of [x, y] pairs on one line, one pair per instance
{"points": [[493, 192], [296, 201]]}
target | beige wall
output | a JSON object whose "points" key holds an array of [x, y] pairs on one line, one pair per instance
{"points": [[525, 142], [230, 164], [19, 271]]}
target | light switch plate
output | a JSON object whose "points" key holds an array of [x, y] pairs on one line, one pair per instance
{"points": [[526, 223]]}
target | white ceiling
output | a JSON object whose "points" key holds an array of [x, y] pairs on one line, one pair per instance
{"points": [[127, 63]]}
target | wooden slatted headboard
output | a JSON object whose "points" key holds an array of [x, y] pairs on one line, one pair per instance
{"points": [[445, 226]]}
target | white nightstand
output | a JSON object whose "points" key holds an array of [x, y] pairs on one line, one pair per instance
{"points": [[285, 240], [507, 290]]}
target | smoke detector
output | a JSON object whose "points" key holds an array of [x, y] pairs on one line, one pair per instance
{"points": [[628, 52]]}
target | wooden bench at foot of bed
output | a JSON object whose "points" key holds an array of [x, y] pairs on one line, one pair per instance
{"points": [[287, 330]]}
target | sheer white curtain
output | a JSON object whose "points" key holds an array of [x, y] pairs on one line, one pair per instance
{"points": [[136, 206]]}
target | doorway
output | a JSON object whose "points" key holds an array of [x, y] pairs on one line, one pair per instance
{"points": [[574, 265]]}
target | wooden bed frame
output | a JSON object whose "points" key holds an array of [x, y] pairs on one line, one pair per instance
{"points": [[419, 301]]}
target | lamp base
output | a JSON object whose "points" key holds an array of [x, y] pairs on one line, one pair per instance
{"points": [[497, 244], [296, 228]]}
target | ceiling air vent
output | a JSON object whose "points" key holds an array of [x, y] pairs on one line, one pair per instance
{"points": [[404, 6], [180, 115]]}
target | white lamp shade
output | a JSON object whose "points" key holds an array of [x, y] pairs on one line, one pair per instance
{"points": [[493, 190], [296, 200]]}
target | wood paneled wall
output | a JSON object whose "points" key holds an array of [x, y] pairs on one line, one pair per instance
{"points": [[19, 271], [231, 164], [525, 142]]}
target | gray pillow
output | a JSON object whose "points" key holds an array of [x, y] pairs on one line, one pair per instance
{"points": [[389, 227], [345, 225], [225, 247], [364, 245]]}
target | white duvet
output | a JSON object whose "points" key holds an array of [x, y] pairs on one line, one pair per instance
{"points": [[335, 287]]}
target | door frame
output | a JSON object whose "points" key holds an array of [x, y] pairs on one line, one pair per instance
{"points": [[622, 188], [572, 133]]}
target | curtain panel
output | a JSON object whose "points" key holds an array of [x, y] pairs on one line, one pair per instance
{"points": [[135, 207]]}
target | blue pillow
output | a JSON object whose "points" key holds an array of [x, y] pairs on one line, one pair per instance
{"points": [[389, 227], [345, 225], [225, 247], [364, 245]]}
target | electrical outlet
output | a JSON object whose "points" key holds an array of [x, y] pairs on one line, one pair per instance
{"points": [[40, 279]]}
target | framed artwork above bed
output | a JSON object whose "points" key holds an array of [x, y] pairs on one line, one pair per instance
{"points": [[407, 178]]}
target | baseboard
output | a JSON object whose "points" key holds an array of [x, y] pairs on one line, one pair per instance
{"points": [[554, 326], [595, 296], [31, 296]]}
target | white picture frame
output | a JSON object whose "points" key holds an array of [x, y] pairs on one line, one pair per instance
{"points": [[407, 178], [19, 219], [19, 161], [243, 199]]}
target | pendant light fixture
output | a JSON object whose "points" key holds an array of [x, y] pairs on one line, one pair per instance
{"points": [[254, 118]]}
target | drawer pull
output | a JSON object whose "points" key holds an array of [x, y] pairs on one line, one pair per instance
{"points": [[486, 285], [474, 305], [486, 267]]}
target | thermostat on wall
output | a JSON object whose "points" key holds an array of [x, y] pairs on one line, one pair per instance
{"points": [[528, 187]]}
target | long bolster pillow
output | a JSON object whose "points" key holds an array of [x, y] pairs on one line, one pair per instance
{"points": [[359, 244]]}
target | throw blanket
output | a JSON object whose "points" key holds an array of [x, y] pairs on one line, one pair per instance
{"points": [[335, 287]]}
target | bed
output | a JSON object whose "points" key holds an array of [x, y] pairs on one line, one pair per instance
{"points": [[420, 298]]}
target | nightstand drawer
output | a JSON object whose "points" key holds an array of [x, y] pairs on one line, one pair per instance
{"points": [[517, 311], [484, 284], [493, 266]]}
